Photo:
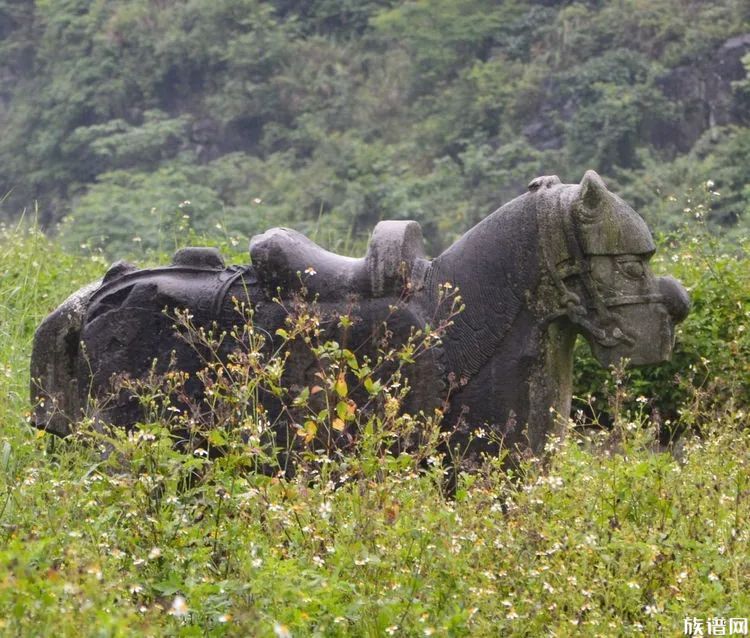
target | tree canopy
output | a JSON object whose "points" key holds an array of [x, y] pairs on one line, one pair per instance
{"points": [[125, 121]]}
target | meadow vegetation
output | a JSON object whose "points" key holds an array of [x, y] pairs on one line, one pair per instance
{"points": [[612, 534]]}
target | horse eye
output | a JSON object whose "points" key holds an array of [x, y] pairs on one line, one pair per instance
{"points": [[632, 269]]}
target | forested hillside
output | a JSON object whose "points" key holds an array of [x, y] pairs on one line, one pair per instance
{"points": [[121, 118]]}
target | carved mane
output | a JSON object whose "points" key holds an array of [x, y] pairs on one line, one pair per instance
{"points": [[494, 265]]}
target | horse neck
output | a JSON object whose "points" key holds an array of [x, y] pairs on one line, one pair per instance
{"points": [[492, 248], [495, 265], [513, 364]]}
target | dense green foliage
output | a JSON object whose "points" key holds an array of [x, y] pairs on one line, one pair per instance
{"points": [[334, 115], [610, 536]]}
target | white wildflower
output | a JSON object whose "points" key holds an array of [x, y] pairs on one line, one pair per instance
{"points": [[179, 607]]}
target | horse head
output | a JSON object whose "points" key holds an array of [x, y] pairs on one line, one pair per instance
{"points": [[597, 250]]}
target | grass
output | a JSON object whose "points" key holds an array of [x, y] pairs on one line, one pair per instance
{"points": [[607, 537]]}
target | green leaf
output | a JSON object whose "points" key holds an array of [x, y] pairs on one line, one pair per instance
{"points": [[351, 359], [341, 388], [372, 387], [302, 397], [217, 437]]}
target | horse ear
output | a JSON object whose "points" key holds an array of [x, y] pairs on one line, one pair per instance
{"points": [[593, 189]]}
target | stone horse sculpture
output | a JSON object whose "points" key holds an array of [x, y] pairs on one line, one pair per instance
{"points": [[559, 261]]}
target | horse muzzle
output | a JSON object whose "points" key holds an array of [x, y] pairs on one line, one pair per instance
{"points": [[675, 297], [643, 326]]}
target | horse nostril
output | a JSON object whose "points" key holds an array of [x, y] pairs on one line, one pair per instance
{"points": [[676, 298]]}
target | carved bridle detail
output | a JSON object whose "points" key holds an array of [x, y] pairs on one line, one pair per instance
{"points": [[593, 314]]}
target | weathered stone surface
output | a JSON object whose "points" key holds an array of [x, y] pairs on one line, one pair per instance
{"points": [[282, 255], [54, 362], [701, 90], [705, 91], [556, 262]]}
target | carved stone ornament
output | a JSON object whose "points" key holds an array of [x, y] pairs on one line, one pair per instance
{"points": [[562, 260]]}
